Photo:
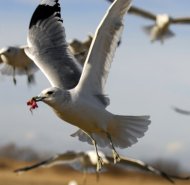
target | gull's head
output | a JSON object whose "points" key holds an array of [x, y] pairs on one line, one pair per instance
{"points": [[10, 50], [50, 95], [8, 53], [53, 96]]}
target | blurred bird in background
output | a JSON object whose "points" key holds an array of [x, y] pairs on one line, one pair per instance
{"points": [[160, 29], [86, 162], [14, 62]]}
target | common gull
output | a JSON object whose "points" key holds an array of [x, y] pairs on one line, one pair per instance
{"points": [[83, 103]]}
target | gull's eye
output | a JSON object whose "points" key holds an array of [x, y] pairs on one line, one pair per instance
{"points": [[50, 92]]}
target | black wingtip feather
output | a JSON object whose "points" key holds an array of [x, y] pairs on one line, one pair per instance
{"points": [[43, 11]]}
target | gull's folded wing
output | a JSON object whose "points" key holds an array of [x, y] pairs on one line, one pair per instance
{"points": [[48, 47]]}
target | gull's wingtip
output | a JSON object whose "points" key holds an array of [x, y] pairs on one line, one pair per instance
{"points": [[49, 2], [44, 10]]}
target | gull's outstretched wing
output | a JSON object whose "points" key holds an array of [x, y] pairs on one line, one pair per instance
{"points": [[180, 20], [102, 49], [65, 158], [48, 47], [140, 12], [126, 161], [140, 164]]}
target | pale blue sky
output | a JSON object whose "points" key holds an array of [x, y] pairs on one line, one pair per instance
{"points": [[145, 78]]}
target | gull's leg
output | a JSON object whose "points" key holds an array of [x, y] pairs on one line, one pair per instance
{"points": [[97, 177], [116, 156], [30, 77], [99, 159], [14, 79], [100, 162], [84, 177]]}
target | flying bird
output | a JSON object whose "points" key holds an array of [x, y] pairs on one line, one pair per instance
{"points": [[14, 62], [82, 102], [160, 29], [87, 161], [80, 48]]}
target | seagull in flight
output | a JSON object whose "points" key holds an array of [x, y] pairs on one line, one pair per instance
{"points": [[14, 61], [80, 48], [160, 30], [82, 102], [87, 161]]}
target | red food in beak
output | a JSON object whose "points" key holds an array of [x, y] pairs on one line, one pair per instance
{"points": [[32, 103]]}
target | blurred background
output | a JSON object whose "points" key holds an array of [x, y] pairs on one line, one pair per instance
{"points": [[145, 78]]}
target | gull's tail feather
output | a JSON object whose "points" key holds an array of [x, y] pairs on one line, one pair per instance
{"points": [[169, 34], [125, 130]]}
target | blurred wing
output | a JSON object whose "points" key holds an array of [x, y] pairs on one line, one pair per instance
{"points": [[1, 61], [48, 48], [181, 111], [34, 166], [182, 20], [30, 66], [147, 29], [168, 34], [102, 49], [142, 13], [141, 165], [65, 158]]}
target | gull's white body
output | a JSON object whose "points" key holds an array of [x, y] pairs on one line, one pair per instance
{"points": [[85, 113]]}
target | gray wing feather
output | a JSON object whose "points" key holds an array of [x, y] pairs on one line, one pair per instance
{"points": [[102, 49], [48, 48]]}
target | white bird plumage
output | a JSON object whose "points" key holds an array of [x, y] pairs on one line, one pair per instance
{"points": [[82, 103]]}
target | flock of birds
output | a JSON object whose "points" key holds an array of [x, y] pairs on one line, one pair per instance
{"points": [[78, 76]]}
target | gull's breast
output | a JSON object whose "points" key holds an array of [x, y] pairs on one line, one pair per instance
{"points": [[87, 117]]}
